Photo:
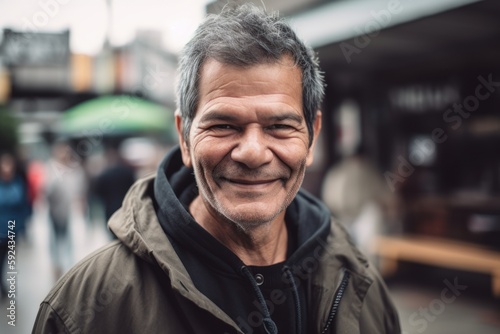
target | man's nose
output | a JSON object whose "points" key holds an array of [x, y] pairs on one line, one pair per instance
{"points": [[252, 149]]}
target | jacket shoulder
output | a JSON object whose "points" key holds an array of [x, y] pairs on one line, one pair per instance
{"points": [[375, 309], [378, 310], [115, 291], [91, 289]]}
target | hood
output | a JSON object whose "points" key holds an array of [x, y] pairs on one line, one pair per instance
{"points": [[175, 187]]}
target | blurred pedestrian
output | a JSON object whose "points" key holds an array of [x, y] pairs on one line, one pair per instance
{"points": [[112, 184], [14, 209], [64, 194], [35, 176], [355, 192]]}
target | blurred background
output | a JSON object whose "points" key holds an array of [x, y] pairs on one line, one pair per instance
{"points": [[408, 159]]}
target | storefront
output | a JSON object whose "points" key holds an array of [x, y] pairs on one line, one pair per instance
{"points": [[426, 89]]}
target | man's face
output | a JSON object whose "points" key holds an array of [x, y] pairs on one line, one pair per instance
{"points": [[248, 143]]}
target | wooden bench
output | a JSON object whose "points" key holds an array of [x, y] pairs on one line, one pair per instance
{"points": [[438, 252]]}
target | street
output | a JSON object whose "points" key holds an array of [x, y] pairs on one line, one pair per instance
{"points": [[35, 275]]}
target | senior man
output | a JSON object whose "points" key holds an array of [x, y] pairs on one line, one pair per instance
{"points": [[221, 239]]}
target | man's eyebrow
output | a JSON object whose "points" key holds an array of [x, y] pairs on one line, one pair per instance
{"points": [[218, 116], [229, 117], [286, 117]]}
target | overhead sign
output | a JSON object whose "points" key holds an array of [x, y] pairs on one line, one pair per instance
{"points": [[33, 48]]}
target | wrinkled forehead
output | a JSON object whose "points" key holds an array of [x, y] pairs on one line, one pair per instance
{"points": [[281, 77], [280, 73]]}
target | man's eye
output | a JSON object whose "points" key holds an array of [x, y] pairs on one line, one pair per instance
{"points": [[280, 127], [222, 127]]}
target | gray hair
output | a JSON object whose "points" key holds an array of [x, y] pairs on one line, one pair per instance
{"points": [[244, 36]]}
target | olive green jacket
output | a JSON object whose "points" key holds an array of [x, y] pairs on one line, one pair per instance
{"points": [[138, 284]]}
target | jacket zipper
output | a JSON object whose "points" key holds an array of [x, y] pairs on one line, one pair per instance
{"points": [[336, 303]]}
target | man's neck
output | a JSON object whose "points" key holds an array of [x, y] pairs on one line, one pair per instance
{"points": [[262, 245]]}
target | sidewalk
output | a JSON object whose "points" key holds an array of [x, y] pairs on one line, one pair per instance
{"points": [[35, 275], [431, 310]]}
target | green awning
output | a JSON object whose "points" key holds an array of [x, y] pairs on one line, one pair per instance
{"points": [[116, 115]]}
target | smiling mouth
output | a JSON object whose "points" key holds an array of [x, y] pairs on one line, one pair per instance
{"points": [[245, 182], [254, 184]]}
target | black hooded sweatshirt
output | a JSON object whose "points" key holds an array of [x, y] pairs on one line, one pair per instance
{"points": [[260, 299]]}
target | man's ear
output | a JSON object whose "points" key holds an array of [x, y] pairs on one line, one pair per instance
{"points": [[317, 129], [186, 156]]}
